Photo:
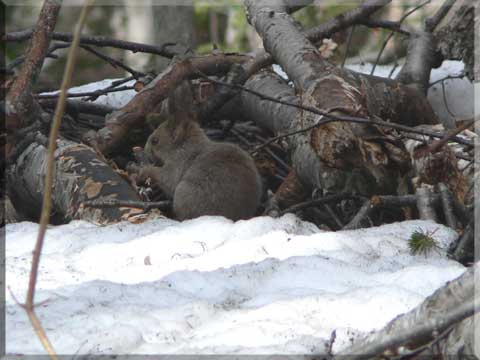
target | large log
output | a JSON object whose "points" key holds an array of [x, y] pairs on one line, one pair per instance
{"points": [[338, 156], [79, 175]]}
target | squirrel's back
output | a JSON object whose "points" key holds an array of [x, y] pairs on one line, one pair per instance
{"points": [[223, 180]]}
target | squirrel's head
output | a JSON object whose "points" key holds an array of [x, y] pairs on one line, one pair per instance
{"points": [[180, 129]]}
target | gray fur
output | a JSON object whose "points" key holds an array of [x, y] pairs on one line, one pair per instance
{"points": [[201, 176]]}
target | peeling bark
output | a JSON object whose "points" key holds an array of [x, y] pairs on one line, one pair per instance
{"points": [[79, 176], [338, 156]]}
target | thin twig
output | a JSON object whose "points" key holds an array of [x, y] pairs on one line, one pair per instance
{"points": [[79, 106], [448, 77], [394, 26], [47, 192], [402, 19], [92, 94], [333, 216], [394, 67], [114, 62], [18, 61], [144, 205], [365, 211], [102, 41], [325, 200], [329, 117], [432, 21], [349, 43], [437, 144]]}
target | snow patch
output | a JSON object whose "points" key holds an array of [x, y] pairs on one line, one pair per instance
{"points": [[210, 285], [114, 99]]}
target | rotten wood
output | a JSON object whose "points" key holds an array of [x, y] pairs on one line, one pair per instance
{"points": [[328, 156]]}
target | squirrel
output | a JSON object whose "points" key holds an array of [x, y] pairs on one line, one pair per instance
{"points": [[202, 177]]}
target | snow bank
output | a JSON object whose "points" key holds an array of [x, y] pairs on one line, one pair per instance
{"points": [[262, 286]]}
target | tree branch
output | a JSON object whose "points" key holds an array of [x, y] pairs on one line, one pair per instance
{"points": [[19, 104], [166, 50]]}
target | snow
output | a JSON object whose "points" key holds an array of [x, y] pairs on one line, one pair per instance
{"points": [[114, 99], [212, 286]]}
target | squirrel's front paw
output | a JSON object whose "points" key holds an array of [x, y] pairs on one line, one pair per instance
{"points": [[146, 175]]}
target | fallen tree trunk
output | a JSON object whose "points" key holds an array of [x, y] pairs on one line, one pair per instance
{"points": [[80, 175], [338, 156]]}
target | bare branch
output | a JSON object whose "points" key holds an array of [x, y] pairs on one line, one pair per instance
{"points": [[345, 20], [432, 21], [19, 102], [114, 62], [144, 205], [402, 19], [92, 94], [324, 200], [167, 50], [133, 114]]}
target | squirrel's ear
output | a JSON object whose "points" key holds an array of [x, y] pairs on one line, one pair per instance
{"points": [[181, 99], [181, 109], [182, 131]]}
